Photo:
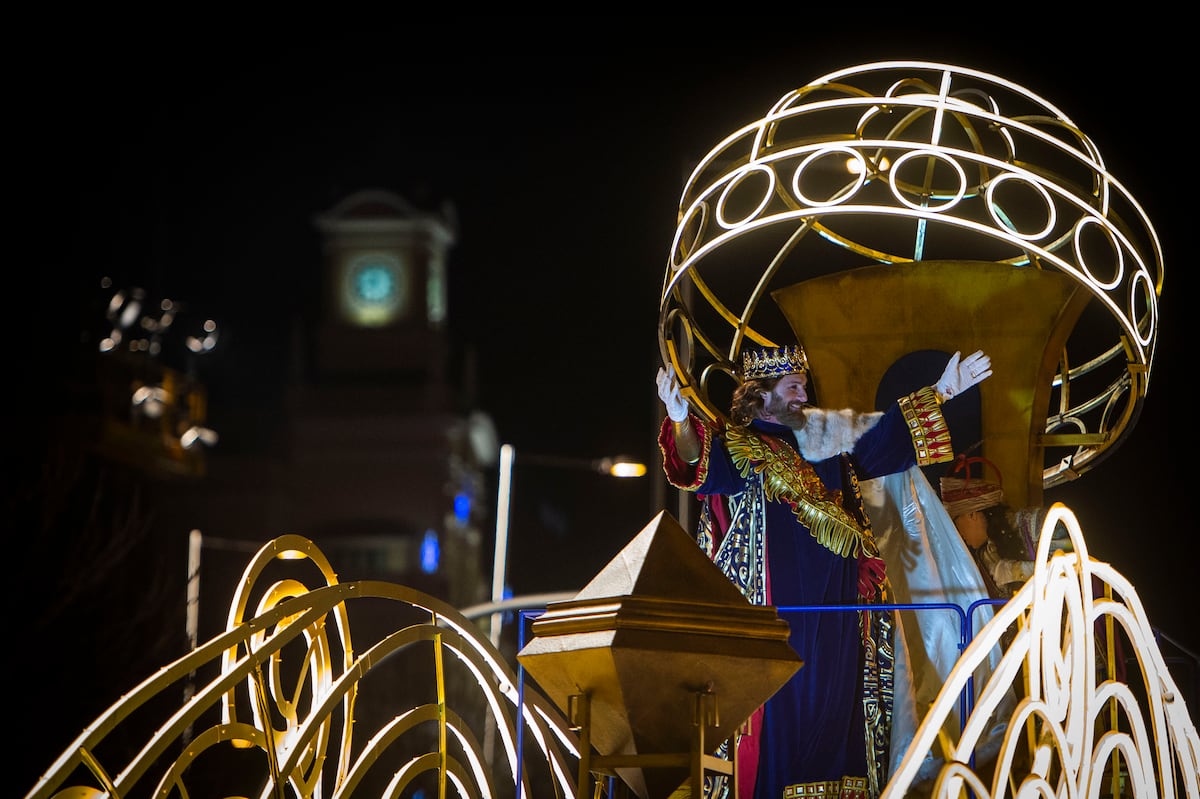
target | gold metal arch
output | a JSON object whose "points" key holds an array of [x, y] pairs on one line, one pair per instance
{"points": [[276, 704], [899, 163]]}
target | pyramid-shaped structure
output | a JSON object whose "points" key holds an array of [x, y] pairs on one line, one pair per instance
{"points": [[657, 626]]}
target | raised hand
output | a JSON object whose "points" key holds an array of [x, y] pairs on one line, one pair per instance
{"points": [[670, 394], [963, 373]]}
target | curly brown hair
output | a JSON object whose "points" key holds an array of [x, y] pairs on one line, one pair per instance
{"points": [[747, 403]]}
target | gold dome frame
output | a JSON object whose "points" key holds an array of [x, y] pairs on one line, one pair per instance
{"points": [[902, 162]]}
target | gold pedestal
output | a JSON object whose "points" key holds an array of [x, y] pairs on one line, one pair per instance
{"points": [[696, 761], [641, 656]]}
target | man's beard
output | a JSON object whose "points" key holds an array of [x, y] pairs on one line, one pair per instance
{"points": [[792, 416]]}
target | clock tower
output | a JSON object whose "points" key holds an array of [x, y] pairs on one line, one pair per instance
{"points": [[384, 292], [382, 468]]}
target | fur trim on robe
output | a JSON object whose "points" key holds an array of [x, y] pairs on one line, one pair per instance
{"points": [[828, 432]]}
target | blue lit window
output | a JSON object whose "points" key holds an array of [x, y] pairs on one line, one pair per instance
{"points": [[462, 507], [431, 552]]}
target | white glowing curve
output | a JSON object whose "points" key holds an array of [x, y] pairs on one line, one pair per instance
{"points": [[697, 209], [534, 716], [505, 687], [429, 761], [419, 765], [930, 66], [1059, 119], [1119, 248], [1003, 169], [324, 702], [939, 155], [296, 739], [555, 759], [471, 750], [1090, 158], [492, 696], [1142, 279], [557, 766], [1131, 744], [334, 691], [856, 184], [494, 664], [568, 743], [1051, 213], [1057, 645], [735, 179], [758, 132], [1131, 326]]}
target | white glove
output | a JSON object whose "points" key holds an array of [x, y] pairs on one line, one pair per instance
{"points": [[961, 375], [671, 396]]}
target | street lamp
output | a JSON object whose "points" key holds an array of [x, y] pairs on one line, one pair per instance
{"points": [[615, 466]]}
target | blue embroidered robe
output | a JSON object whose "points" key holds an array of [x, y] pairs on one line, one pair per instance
{"points": [[813, 734]]}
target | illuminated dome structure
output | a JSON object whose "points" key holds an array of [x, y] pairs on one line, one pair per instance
{"points": [[927, 206]]}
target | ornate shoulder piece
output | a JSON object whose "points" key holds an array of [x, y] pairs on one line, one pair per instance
{"points": [[787, 477], [930, 435]]}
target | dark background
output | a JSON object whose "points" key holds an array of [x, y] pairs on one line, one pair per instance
{"points": [[190, 160]]}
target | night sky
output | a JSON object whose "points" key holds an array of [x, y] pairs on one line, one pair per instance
{"points": [[192, 165]]}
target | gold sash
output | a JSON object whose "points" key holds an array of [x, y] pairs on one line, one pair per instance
{"points": [[789, 478]]}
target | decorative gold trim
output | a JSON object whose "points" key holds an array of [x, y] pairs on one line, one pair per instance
{"points": [[705, 433], [788, 477], [845, 788], [777, 362], [930, 435]]}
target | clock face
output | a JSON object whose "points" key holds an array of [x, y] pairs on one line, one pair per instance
{"points": [[375, 289], [374, 283]]}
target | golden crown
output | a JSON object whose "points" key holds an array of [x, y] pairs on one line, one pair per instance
{"points": [[776, 362]]}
